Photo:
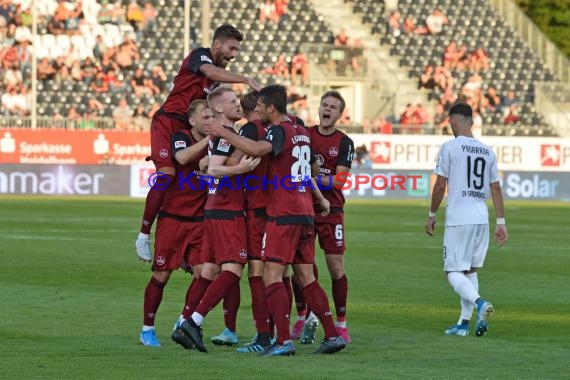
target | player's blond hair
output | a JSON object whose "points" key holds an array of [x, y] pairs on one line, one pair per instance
{"points": [[216, 93], [196, 106]]}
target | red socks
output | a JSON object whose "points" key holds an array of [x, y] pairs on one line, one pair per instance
{"points": [[340, 294], [219, 288], [277, 300], [154, 200], [232, 300], [288, 288], [152, 299], [194, 295], [319, 304], [259, 304]]}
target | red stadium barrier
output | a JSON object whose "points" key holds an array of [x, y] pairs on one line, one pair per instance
{"points": [[53, 146]]}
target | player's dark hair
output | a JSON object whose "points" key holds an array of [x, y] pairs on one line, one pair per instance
{"points": [[249, 101], [226, 31], [219, 91], [275, 95], [462, 109], [195, 106], [335, 94]]}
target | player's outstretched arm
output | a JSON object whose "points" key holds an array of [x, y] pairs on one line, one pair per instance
{"points": [[436, 198], [218, 74], [501, 234], [250, 147]]}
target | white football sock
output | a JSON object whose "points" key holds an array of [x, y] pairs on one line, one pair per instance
{"points": [[143, 236], [466, 306], [462, 286], [197, 318], [147, 328]]}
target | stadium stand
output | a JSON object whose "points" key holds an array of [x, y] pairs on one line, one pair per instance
{"points": [[512, 64], [266, 42], [89, 57]]}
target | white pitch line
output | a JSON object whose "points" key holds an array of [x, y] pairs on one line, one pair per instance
{"points": [[61, 238]]}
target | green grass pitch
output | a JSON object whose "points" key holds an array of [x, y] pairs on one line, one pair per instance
{"points": [[71, 299]]}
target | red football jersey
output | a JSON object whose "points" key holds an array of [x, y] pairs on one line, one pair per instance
{"points": [[190, 84], [289, 201], [227, 192], [187, 196], [331, 151], [256, 196]]}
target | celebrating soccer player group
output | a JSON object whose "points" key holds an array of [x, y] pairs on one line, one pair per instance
{"points": [[271, 225], [214, 231]]}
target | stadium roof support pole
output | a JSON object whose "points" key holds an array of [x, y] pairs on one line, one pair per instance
{"points": [[205, 26], [34, 88], [187, 27]]}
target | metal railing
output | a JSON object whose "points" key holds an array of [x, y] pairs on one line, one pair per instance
{"points": [[558, 92], [340, 61], [91, 123], [430, 129], [546, 50], [144, 125], [550, 98]]}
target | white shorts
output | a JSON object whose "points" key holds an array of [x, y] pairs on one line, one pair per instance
{"points": [[465, 247]]}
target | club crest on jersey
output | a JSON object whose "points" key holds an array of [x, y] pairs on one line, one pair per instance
{"points": [[160, 260], [333, 151], [179, 144], [163, 153], [223, 146]]}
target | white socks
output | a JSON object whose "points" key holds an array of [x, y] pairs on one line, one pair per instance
{"points": [[144, 236], [463, 286], [466, 306], [197, 318]]}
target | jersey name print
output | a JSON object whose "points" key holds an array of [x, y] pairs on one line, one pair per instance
{"points": [[470, 167]]}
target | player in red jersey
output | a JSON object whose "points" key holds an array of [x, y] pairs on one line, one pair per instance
{"points": [[289, 233], [201, 71], [226, 236], [334, 151], [180, 226], [256, 201]]}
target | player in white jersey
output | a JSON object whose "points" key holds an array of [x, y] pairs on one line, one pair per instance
{"points": [[468, 168]]}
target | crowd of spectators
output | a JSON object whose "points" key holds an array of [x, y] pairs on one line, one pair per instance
{"points": [[441, 79], [432, 25], [117, 69], [274, 11], [113, 66], [291, 68]]}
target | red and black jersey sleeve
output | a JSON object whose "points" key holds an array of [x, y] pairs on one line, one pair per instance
{"points": [[201, 56], [249, 130], [180, 141], [276, 136], [346, 152], [221, 147]]}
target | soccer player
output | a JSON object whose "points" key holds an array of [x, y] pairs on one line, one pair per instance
{"points": [[289, 234], [180, 228], [226, 232], [200, 72], [335, 151], [468, 168], [256, 217]]}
